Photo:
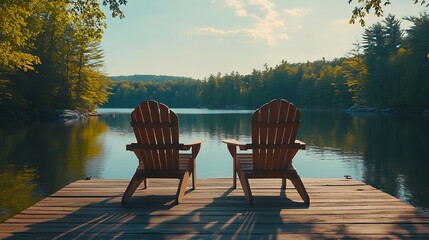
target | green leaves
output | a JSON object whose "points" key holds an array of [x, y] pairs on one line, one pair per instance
{"points": [[50, 56], [365, 6], [18, 27], [114, 7]]}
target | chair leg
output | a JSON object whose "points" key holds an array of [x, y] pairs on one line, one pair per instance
{"points": [[182, 187], [146, 183], [283, 183], [299, 186], [194, 184], [132, 187], [245, 185], [234, 175], [194, 177]]}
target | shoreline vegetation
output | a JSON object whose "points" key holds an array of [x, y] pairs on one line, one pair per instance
{"points": [[71, 115], [388, 72], [53, 60]]}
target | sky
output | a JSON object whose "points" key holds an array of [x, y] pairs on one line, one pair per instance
{"points": [[198, 38]]}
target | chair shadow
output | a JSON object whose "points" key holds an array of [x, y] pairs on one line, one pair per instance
{"points": [[151, 216]]}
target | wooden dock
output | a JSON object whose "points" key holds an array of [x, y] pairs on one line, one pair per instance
{"points": [[339, 208]]}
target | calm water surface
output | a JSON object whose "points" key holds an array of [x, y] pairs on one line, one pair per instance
{"points": [[387, 152]]}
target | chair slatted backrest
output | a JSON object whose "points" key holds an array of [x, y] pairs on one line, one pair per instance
{"points": [[156, 126], [275, 124]]}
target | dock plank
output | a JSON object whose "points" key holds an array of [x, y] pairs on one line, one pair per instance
{"points": [[339, 209]]}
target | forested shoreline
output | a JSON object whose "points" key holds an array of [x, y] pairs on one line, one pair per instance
{"points": [[50, 58], [388, 68]]}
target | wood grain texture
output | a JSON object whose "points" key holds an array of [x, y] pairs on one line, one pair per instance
{"points": [[340, 209], [156, 128]]}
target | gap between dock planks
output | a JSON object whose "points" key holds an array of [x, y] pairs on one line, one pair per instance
{"points": [[339, 209]]}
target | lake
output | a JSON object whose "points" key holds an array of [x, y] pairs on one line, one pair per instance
{"points": [[387, 152]]}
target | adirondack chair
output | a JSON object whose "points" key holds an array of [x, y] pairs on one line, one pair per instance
{"points": [[274, 129], [156, 128]]}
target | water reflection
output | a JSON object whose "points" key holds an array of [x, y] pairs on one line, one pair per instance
{"points": [[391, 150], [395, 151], [213, 159], [18, 189], [390, 153], [37, 159], [387, 152]]}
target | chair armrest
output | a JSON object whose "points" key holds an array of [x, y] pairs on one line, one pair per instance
{"points": [[235, 143], [189, 145], [194, 142], [195, 145], [301, 144], [141, 146], [180, 146], [296, 145]]}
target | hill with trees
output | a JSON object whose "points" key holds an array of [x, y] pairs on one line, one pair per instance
{"points": [[147, 78], [51, 58], [388, 68]]}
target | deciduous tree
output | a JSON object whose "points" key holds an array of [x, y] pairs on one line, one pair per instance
{"points": [[364, 7]]}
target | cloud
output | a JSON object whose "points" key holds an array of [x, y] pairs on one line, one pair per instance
{"points": [[266, 26], [266, 23], [266, 4], [239, 8], [217, 31], [297, 12], [283, 36]]}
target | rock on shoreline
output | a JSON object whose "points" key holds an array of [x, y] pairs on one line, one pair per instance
{"points": [[68, 114], [361, 108], [390, 110]]}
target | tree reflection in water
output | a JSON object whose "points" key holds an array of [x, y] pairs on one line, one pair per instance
{"points": [[387, 152], [37, 159]]}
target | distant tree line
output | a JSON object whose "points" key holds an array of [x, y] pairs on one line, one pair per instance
{"points": [[154, 78], [127, 94], [50, 56], [388, 68], [313, 84]]}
